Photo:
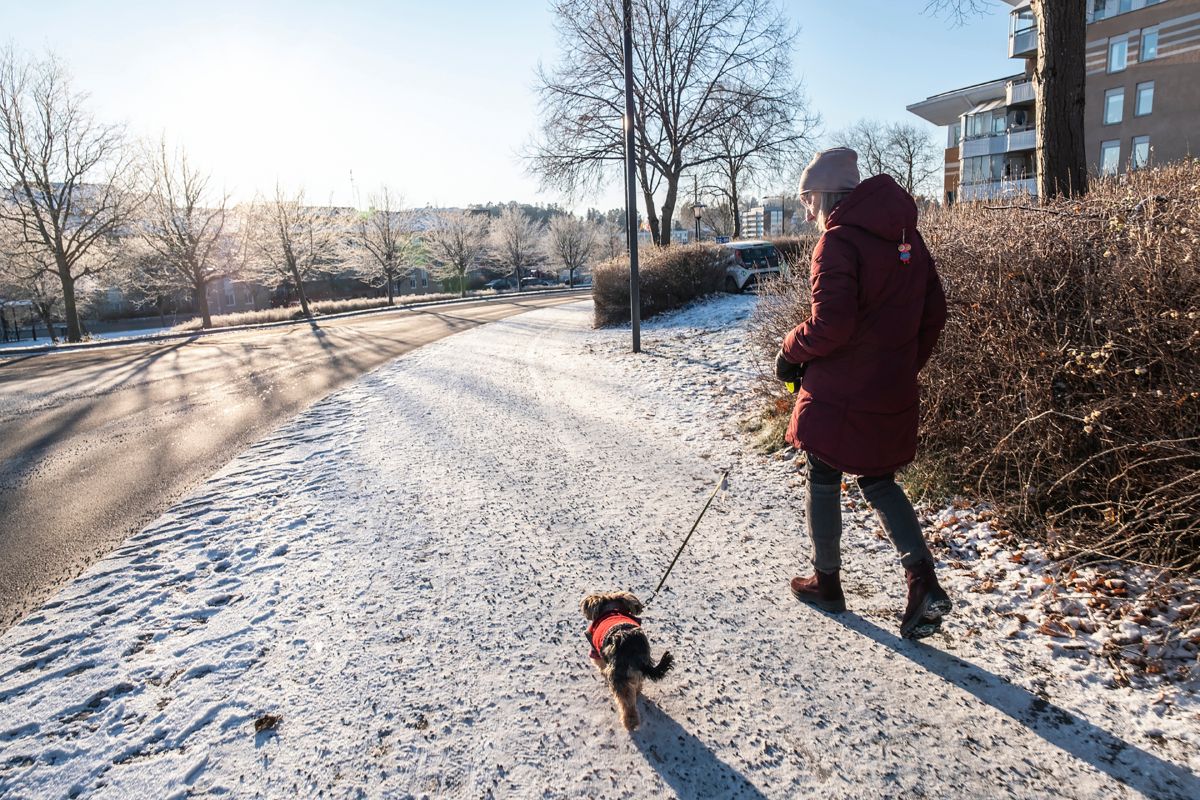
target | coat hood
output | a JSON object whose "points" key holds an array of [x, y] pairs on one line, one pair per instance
{"points": [[880, 206]]}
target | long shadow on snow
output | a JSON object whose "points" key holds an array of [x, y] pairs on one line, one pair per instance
{"points": [[1139, 770], [684, 762]]}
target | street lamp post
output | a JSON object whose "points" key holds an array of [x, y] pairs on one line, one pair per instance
{"points": [[635, 301], [697, 209]]}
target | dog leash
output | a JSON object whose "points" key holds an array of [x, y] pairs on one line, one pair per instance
{"points": [[721, 484]]}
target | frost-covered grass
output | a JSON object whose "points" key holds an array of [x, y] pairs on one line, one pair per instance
{"points": [[319, 308]]}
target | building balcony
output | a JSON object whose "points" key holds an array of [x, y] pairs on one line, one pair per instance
{"points": [[1022, 140], [1018, 93], [1011, 142], [1023, 43], [994, 190]]}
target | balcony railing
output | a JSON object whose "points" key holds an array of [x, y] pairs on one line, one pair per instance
{"points": [[1017, 92], [1022, 43], [991, 190], [1025, 139], [1015, 139]]}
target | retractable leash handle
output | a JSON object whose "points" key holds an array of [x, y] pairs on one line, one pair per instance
{"points": [[720, 485]]}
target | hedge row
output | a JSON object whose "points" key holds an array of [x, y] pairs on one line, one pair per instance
{"points": [[669, 277]]}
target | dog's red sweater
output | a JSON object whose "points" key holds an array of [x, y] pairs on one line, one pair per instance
{"points": [[600, 627]]}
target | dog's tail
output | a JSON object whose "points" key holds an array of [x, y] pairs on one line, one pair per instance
{"points": [[657, 672]]}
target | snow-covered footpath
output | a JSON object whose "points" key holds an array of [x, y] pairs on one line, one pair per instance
{"points": [[380, 599]]}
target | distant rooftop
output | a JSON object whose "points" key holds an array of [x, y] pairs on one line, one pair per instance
{"points": [[945, 108]]}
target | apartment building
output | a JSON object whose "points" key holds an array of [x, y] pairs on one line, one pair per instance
{"points": [[766, 219], [1142, 96]]}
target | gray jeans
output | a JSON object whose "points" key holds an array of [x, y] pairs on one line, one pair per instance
{"points": [[824, 507]]}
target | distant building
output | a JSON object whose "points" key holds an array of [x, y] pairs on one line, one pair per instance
{"points": [[1142, 99], [768, 219]]}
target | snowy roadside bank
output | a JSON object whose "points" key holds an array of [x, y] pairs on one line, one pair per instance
{"points": [[380, 599], [119, 338]]}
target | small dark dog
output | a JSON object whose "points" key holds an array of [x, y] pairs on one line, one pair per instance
{"points": [[621, 650]]}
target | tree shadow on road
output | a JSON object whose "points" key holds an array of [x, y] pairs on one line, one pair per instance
{"points": [[687, 765], [1124, 762]]}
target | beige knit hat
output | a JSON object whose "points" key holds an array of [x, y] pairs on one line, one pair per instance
{"points": [[833, 170]]}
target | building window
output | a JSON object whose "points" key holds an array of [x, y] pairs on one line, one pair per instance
{"points": [[229, 298], [1118, 54], [1140, 155], [1103, 9], [1144, 102], [1149, 44], [1114, 106], [424, 279], [954, 134], [412, 281], [1110, 157]]}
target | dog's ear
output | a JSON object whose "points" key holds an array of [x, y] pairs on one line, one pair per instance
{"points": [[631, 603], [590, 605]]}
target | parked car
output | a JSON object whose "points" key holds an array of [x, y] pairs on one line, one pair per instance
{"points": [[750, 262], [499, 285], [527, 283]]}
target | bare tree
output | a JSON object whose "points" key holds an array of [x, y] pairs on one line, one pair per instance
{"points": [[909, 153], [869, 138], [1058, 80], [697, 65], [611, 238], [515, 239], [385, 236], [917, 157], [183, 225], [760, 138], [720, 218], [457, 240], [28, 275], [291, 241], [571, 242], [65, 180]]}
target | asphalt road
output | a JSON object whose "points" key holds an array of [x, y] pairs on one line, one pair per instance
{"points": [[94, 444]]}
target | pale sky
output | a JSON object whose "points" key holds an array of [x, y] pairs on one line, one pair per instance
{"points": [[434, 99]]}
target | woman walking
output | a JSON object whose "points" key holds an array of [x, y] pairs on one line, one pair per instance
{"points": [[877, 311]]}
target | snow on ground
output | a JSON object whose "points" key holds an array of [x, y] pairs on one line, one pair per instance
{"points": [[43, 341], [380, 599]]}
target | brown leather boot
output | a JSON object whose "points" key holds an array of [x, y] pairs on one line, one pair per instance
{"points": [[822, 589], [927, 602]]}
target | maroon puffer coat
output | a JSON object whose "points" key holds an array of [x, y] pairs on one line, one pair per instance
{"points": [[874, 323]]}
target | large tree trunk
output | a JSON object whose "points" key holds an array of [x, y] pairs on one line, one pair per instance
{"points": [[43, 311], [735, 204], [201, 290], [668, 209], [70, 312], [391, 280], [648, 196], [300, 292], [1058, 81]]}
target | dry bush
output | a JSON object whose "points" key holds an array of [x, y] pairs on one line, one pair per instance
{"points": [[795, 252], [670, 277], [1066, 387]]}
